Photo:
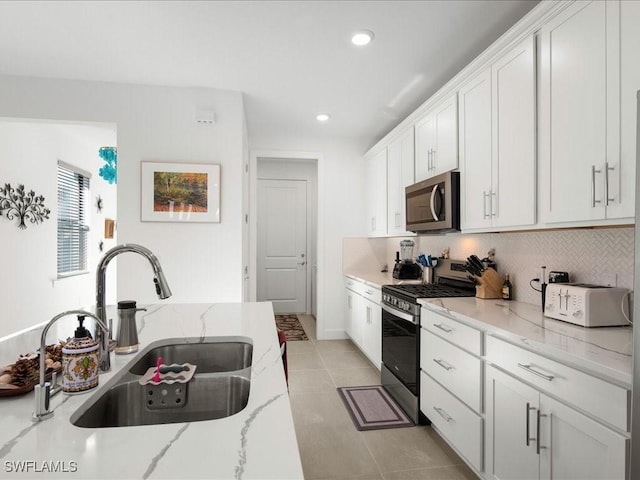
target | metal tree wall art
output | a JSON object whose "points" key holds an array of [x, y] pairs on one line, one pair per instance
{"points": [[109, 171], [16, 203]]}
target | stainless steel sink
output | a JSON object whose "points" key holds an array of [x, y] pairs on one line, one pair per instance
{"points": [[219, 388], [211, 354]]}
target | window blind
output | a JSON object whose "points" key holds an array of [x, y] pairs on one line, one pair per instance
{"points": [[73, 222]]}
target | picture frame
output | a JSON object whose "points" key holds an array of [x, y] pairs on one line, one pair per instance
{"points": [[179, 192]]}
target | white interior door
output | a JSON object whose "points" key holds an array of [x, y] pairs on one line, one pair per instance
{"points": [[282, 244]]}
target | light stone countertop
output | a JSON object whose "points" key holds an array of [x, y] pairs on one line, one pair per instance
{"points": [[259, 442], [602, 351]]}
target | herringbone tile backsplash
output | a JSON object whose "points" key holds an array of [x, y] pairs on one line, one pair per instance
{"points": [[589, 255]]}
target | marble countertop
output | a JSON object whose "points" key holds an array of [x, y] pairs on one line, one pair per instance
{"points": [[603, 351], [257, 443], [377, 279]]}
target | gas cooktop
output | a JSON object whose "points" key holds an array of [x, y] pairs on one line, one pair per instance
{"points": [[430, 290]]}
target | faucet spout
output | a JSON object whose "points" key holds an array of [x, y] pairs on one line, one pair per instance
{"points": [[44, 390], [162, 287]]}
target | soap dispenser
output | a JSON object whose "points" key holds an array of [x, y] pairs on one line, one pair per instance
{"points": [[80, 361]]}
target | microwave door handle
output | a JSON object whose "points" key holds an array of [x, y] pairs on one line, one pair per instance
{"points": [[434, 192]]}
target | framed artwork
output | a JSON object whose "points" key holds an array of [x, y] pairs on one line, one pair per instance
{"points": [[179, 192]]}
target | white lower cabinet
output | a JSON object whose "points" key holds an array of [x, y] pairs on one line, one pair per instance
{"points": [[531, 435], [363, 319], [451, 387]]}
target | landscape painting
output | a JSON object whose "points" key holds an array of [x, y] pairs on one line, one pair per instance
{"points": [[177, 192]]}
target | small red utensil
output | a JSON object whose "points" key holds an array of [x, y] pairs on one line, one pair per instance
{"points": [[156, 378]]}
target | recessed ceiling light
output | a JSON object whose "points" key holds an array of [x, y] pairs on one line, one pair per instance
{"points": [[363, 37], [322, 117]]}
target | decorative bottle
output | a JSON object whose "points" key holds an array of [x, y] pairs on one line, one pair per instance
{"points": [[80, 362], [507, 289]]}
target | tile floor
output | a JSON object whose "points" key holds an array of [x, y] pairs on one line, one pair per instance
{"points": [[330, 446]]}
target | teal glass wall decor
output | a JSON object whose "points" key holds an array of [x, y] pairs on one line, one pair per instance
{"points": [[109, 171]]}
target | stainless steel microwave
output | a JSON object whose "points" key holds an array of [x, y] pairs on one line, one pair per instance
{"points": [[433, 205]]}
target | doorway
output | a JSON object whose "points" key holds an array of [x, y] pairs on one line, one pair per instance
{"points": [[286, 233], [282, 244]]}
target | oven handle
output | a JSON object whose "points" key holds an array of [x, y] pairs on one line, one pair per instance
{"points": [[399, 314]]}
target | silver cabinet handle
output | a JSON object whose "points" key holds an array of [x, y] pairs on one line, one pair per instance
{"points": [[485, 195], [538, 446], [528, 409], [398, 220], [443, 414], [433, 159], [593, 185], [492, 203], [443, 364], [443, 328], [369, 292], [606, 183], [535, 372]]}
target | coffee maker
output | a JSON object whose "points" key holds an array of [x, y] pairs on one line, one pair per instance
{"points": [[406, 269]]}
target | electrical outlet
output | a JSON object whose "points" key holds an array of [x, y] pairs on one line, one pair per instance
{"points": [[609, 279]]}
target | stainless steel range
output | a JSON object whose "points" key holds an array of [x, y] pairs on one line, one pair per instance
{"points": [[401, 331]]}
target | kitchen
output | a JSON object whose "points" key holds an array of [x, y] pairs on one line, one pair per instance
{"points": [[169, 110]]}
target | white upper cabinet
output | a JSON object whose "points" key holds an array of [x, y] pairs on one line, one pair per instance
{"points": [[623, 184], [497, 142], [582, 174], [437, 140], [475, 151], [400, 174], [513, 199], [376, 193]]}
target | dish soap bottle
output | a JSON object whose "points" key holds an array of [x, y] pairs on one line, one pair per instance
{"points": [[507, 289], [80, 361]]}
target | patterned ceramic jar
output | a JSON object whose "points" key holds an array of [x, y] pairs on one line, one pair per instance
{"points": [[79, 365]]}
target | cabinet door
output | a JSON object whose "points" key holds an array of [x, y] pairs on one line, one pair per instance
{"points": [[372, 333], [376, 188], [511, 413], [475, 151], [425, 146], [445, 155], [400, 174], [622, 179], [574, 447], [513, 197], [573, 130], [349, 313]]}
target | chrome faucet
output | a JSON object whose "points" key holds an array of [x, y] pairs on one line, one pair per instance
{"points": [[162, 287], [45, 390]]}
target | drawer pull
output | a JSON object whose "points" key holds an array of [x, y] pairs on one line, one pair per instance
{"points": [[443, 328], [369, 292], [443, 364], [443, 414], [535, 372]]}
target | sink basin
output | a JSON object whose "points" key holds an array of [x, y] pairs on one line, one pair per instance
{"points": [[211, 354], [219, 388], [208, 396]]}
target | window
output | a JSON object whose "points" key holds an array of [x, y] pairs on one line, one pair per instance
{"points": [[73, 221]]}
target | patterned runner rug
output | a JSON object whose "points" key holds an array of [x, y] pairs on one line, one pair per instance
{"points": [[371, 408], [291, 326]]}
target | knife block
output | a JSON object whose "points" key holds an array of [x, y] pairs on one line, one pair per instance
{"points": [[490, 284]]}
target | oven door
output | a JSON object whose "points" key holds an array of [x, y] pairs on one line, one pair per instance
{"points": [[400, 337]]}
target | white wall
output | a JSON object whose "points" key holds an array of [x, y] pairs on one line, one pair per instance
{"points": [[31, 293], [340, 203], [202, 262]]}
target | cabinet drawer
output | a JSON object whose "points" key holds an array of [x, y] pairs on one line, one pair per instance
{"points": [[367, 291], [460, 425], [457, 333], [458, 371], [597, 397]]}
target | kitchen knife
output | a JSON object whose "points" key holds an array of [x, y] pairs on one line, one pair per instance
{"points": [[472, 268], [477, 263]]}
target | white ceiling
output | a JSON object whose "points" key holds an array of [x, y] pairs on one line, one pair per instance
{"points": [[292, 59]]}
